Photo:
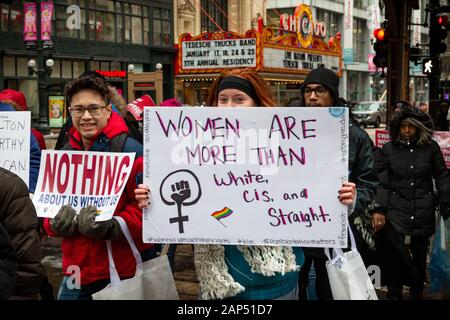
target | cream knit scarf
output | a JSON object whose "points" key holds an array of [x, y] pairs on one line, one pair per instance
{"points": [[212, 271]]}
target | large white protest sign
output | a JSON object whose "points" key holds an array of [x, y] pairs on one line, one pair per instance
{"points": [[15, 143], [80, 179], [256, 176]]}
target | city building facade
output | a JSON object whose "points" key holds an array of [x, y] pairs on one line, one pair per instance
{"points": [[357, 82], [110, 36]]}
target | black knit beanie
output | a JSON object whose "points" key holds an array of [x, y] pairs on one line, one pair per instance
{"points": [[325, 77]]}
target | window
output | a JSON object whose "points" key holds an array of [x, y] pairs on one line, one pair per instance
{"points": [[105, 26], [146, 30], [355, 89], [61, 19], [359, 40], [331, 21], [56, 72], [273, 19], [22, 67], [127, 30], [4, 17], [66, 69], [9, 66], [361, 4], [119, 28], [161, 27], [78, 68], [102, 21], [217, 10], [95, 65], [136, 30], [16, 18], [104, 5]]}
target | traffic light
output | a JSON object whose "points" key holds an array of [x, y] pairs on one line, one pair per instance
{"points": [[428, 66], [414, 54], [381, 48], [438, 34]]}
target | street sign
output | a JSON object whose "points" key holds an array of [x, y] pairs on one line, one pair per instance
{"points": [[428, 66]]}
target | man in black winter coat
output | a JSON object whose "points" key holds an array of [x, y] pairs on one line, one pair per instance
{"points": [[321, 89], [407, 166]]}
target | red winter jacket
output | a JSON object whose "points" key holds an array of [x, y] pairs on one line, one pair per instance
{"points": [[91, 254]]}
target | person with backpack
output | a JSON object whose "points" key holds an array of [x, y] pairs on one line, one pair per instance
{"points": [[97, 128], [321, 89]]}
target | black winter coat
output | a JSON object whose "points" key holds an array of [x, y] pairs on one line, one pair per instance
{"points": [[362, 172], [8, 264], [18, 215], [406, 172]]}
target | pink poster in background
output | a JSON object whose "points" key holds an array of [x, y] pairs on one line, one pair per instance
{"points": [[46, 20], [443, 139], [381, 137], [29, 25]]}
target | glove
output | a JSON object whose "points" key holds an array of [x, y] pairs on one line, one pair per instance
{"points": [[65, 223], [107, 230]]}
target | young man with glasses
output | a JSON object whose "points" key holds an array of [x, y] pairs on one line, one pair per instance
{"points": [[321, 89], [96, 128]]}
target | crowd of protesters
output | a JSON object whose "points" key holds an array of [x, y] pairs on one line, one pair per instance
{"points": [[394, 189]]}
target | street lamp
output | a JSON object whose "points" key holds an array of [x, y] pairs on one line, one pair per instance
{"points": [[43, 71]]}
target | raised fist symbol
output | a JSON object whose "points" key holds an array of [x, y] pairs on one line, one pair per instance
{"points": [[181, 191]]}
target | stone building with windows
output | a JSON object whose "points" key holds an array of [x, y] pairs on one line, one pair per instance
{"points": [[357, 83], [109, 36], [198, 16]]}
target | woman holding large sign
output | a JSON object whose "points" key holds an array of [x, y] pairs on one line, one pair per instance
{"points": [[242, 271]]}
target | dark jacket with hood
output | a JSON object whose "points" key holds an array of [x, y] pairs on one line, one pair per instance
{"points": [[18, 215], [8, 264], [406, 170], [361, 162]]}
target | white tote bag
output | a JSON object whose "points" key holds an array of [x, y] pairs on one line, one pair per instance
{"points": [[348, 276], [153, 279]]}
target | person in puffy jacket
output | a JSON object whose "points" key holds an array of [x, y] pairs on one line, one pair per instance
{"points": [[408, 166], [8, 264], [321, 89], [18, 216], [95, 128]]}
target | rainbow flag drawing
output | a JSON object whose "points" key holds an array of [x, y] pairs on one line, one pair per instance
{"points": [[225, 212]]}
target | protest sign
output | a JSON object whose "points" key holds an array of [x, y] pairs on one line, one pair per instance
{"points": [[443, 139], [254, 176], [15, 143], [80, 179], [381, 137]]}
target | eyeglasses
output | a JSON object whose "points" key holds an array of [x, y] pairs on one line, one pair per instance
{"points": [[93, 109], [319, 91]]}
